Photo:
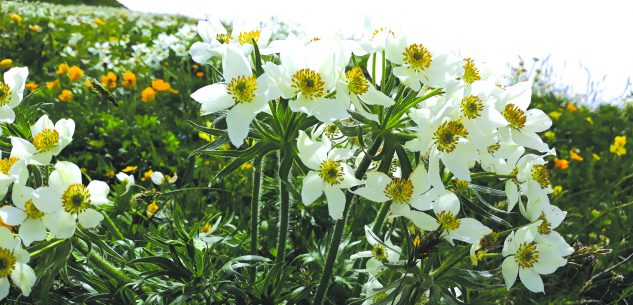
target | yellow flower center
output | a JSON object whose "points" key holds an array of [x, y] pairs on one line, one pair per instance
{"points": [[399, 190], [247, 37], [471, 73], [472, 106], [5, 94], [6, 164], [76, 199], [540, 174], [206, 228], [545, 227], [46, 140], [448, 134], [379, 252], [514, 173], [31, 211], [223, 38], [380, 30], [417, 57], [331, 172], [7, 262], [309, 83], [356, 81], [243, 88], [447, 221], [527, 255], [515, 116]]}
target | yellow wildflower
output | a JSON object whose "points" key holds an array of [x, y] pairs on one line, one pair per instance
{"points": [[148, 95], [147, 175], [206, 228], [129, 168], [5, 63], [53, 85], [129, 79], [151, 209], [161, 85], [109, 80], [199, 74], [63, 69], [550, 135], [557, 190], [589, 120], [620, 140], [555, 115], [247, 166], [110, 174], [35, 28], [75, 73], [571, 107], [596, 156], [574, 156], [31, 86], [100, 22], [16, 18], [618, 147], [204, 136], [65, 96]]}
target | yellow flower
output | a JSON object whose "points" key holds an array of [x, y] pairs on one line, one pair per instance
{"points": [[206, 228], [100, 22], [589, 120], [148, 95], [53, 85], [561, 163], [110, 174], [15, 18], [618, 147], [161, 85], [555, 115], [620, 140], [31, 86], [557, 190], [88, 84], [109, 80], [550, 136], [571, 108], [147, 175], [129, 168], [596, 156], [66, 96], [204, 136], [247, 166], [129, 79], [5, 63], [151, 209], [35, 28], [75, 73], [574, 156], [63, 69]]}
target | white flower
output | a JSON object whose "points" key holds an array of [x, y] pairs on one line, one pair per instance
{"points": [[355, 88], [213, 35], [547, 217], [380, 253], [25, 214], [404, 193], [12, 170], [14, 264], [158, 178], [375, 292], [528, 258], [127, 180], [48, 140], [66, 200], [245, 95], [418, 65], [328, 173], [531, 177], [446, 209], [523, 124], [11, 92], [308, 73]]}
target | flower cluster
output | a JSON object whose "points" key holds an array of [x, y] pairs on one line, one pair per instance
{"points": [[39, 210], [440, 124]]}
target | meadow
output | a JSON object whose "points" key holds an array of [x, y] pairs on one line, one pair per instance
{"points": [[192, 207]]}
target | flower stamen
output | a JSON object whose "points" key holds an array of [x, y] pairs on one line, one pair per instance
{"points": [[309, 83], [331, 172], [448, 134], [417, 57], [76, 199], [356, 81], [527, 255], [515, 116], [399, 190], [46, 140], [242, 88]]}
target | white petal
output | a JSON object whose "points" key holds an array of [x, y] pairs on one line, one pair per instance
{"points": [[531, 279], [61, 224], [512, 193], [311, 152], [48, 199], [213, 98], [375, 97], [21, 148], [537, 121], [312, 188], [32, 230], [470, 230], [447, 201], [6, 114], [24, 277], [374, 188], [90, 218], [329, 110], [423, 221], [362, 254], [65, 174], [509, 269], [7, 240], [238, 121], [335, 202], [12, 216], [99, 191], [420, 180], [235, 64], [425, 201], [201, 52], [549, 259], [4, 287], [42, 123], [347, 179]]}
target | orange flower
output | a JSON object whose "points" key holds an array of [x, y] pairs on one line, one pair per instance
{"points": [[148, 95], [100, 22], [571, 107], [574, 156], [35, 28], [75, 73], [199, 74], [561, 163], [5, 63], [53, 85], [66, 96], [31, 86], [160, 85], [63, 69], [88, 84], [109, 80], [129, 79]]}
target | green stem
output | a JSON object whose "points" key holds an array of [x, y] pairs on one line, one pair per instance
{"points": [[257, 181], [98, 260], [337, 235], [284, 206], [112, 227], [444, 267], [52, 245]]}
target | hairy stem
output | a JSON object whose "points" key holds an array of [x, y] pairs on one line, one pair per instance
{"points": [[284, 205], [255, 196]]}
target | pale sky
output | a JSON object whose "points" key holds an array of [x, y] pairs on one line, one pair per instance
{"points": [[578, 36]]}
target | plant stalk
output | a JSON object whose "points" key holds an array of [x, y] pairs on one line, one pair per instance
{"points": [[255, 196]]}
